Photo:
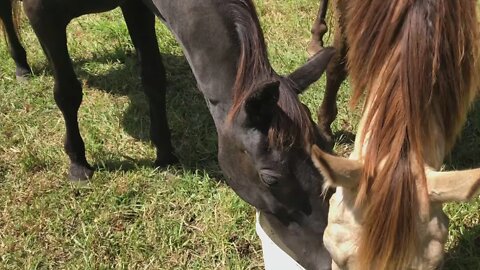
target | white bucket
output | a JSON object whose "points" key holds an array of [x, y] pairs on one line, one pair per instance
{"points": [[274, 257]]}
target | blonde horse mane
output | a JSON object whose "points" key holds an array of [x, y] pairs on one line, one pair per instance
{"points": [[416, 61]]}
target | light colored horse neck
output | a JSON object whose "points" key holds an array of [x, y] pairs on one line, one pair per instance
{"points": [[345, 220], [417, 62]]}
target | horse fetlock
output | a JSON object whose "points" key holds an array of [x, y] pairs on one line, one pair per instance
{"points": [[319, 29], [325, 120], [316, 43], [327, 136]]}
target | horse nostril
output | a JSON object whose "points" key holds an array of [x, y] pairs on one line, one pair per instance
{"points": [[213, 101]]}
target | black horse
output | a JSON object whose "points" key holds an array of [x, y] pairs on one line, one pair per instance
{"points": [[7, 18], [264, 131]]}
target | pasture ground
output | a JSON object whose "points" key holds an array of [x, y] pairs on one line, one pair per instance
{"points": [[132, 216]]}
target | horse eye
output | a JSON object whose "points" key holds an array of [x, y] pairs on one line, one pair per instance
{"points": [[268, 179]]}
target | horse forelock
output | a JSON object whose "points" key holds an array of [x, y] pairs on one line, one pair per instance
{"points": [[291, 125], [417, 63]]}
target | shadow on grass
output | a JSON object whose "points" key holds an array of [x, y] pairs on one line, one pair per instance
{"points": [[464, 255], [466, 153], [344, 142], [193, 132], [123, 165]]}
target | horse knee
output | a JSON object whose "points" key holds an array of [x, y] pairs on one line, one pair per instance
{"points": [[68, 97]]}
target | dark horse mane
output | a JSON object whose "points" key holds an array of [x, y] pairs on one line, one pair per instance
{"points": [[291, 125], [417, 61]]}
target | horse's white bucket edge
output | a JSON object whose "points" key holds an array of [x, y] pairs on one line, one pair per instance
{"points": [[274, 257]]}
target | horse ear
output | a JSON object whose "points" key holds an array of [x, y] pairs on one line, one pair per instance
{"points": [[311, 71], [337, 171], [453, 186], [260, 106]]}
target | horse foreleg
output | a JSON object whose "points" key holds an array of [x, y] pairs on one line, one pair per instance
{"points": [[319, 29], [141, 26], [16, 50], [336, 74], [51, 32]]}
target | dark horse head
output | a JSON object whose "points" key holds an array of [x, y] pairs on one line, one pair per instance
{"points": [[264, 145], [265, 133]]}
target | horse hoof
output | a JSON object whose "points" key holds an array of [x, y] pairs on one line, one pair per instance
{"points": [[22, 78], [79, 172], [327, 138], [165, 161], [23, 74], [329, 142]]}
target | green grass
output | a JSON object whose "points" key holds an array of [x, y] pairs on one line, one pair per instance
{"points": [[131, 216]]}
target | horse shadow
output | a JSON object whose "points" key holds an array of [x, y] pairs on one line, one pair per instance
{"points": [[192, 129], [344, 142], [466, 155], [465, 252]]}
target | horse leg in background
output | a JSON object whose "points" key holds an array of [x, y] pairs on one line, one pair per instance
{"points": [[319, 29], [336, 74], [16, 50], [141, 26], [51, 32]]}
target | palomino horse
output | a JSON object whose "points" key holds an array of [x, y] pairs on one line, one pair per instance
{"points": [[264, 132], [8, 19], [417, 61]]}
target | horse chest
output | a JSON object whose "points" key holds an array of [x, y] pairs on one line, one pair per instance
{"points": [[435, 233], [344, 226], [343, 229]]}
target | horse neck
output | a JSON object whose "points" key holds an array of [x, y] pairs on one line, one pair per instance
{"points": [[205, 35]]}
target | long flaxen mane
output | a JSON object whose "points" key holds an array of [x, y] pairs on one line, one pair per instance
{"points": [[291, 124], [413, 59]]}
